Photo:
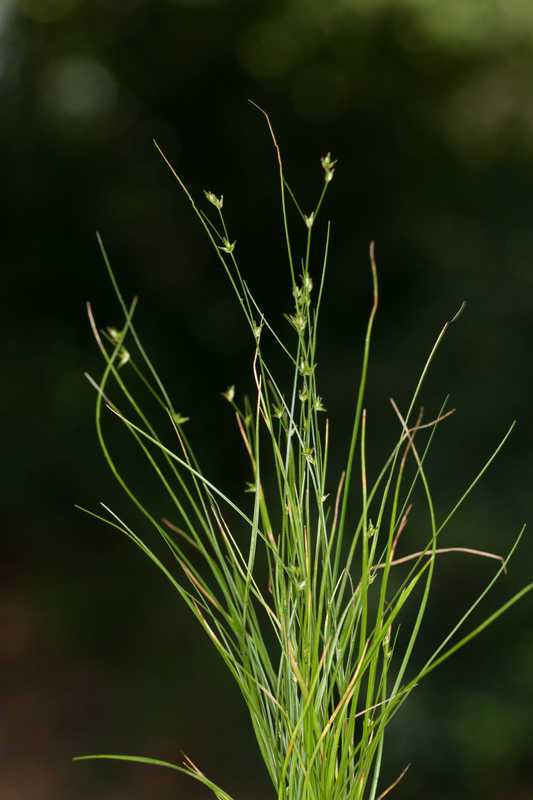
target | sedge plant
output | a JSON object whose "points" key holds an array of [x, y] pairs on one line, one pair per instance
{"points": [[300, 589]]}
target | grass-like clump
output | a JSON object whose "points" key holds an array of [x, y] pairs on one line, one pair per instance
{"points": [[299, 588]]}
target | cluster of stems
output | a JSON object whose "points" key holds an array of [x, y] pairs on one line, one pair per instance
{"points": [[300, 589]]}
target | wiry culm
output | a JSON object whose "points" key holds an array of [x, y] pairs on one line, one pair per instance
{"points": [[306, 613]]}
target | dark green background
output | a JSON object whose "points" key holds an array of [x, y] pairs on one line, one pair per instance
{"points": [[429, 110]]}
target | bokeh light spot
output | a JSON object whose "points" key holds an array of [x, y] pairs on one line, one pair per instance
{"points": [[47, 10], [80, 87]]}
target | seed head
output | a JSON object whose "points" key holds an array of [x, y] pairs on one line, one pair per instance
{"points": [[113, 334], [298, 322], [328, 165], [218, 202], [229, 394], [123, 357], [227, 246]]}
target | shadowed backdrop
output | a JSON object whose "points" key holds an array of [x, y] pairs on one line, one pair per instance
{"points": [[429, 113]]}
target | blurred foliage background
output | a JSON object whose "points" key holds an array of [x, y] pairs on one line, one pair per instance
{"points": [[429, 109]]}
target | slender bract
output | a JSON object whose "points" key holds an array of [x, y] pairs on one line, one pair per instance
{"points": [[301, 589]]}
